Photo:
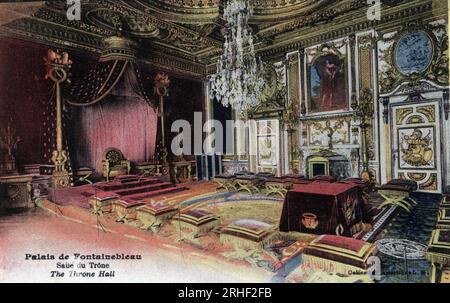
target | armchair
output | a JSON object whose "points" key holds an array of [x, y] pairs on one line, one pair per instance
{"points": [[114, 164]]}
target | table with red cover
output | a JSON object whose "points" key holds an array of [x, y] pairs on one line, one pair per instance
{"points": [[320, 208]]}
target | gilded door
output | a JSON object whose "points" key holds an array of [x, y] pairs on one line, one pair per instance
{"points": [[417, 145]]}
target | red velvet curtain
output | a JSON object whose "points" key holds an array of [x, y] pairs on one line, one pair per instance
{"points": [[128, 125], [122, 120]]}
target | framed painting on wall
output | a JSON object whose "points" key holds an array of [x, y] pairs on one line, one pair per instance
{"points": [[327, 76]]}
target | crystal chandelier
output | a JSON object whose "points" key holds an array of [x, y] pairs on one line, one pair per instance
{"points": [[238, 81]]}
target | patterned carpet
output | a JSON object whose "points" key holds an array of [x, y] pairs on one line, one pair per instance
{"points": [[413, 228], [234, 206]]}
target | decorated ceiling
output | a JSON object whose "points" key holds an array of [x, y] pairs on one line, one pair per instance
{"points": [[187, 35]]}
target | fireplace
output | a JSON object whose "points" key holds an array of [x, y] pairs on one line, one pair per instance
{"points": [[318, 166], [327, 163]]}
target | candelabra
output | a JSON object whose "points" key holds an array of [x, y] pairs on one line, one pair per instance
{"points": [[58, 65], [161, 88], [363, 112], [9, 141]]}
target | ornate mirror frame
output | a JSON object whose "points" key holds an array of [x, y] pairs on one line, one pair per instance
{"points": [[437, 69]]}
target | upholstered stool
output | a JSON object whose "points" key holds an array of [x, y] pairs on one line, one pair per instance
{"points": [[295, 179], [244, 173], [225, 182], [246, 234], [300, 182], [83, 175], [265, 175], [335, 254], [278, 186], [411, 185], [438, 253], [293, 176], [397, 192], [194, 222], [330, 179], [447, 190], [125, 210], [443, 218], [153, 215], [249, 183], [445, 202], [102, 202], [364, 185]]}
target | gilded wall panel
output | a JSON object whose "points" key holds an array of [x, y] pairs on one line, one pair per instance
{"points": [[365, 61], [416, 52], [318, 132]]}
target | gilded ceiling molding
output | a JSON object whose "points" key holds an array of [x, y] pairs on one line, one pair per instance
{"points": [[303, 38], [184, 35], [276, 11], [196, 11], [313, 17], [46, 33], [190, 30], [169, 63], [51, 14]]}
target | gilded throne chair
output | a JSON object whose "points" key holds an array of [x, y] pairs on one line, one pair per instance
{"points": [[115, 164]]}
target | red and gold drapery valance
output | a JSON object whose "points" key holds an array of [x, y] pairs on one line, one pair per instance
{"points": [[101, 81], [97, 84], [117, 65]]}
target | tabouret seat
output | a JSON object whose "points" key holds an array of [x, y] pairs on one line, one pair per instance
{"points": [[265, 175], [443, 218], [83, 175], [330, 179], [249, 183], [398, 192], [125, 209], [445, 202], [244, 173], [225, 181], [278, 186], [194, 222], [102, 202], [438, 253], [341, 255], [153, 215], [411, 185], [246, 233], [296, 179], [364, 185], [293, 176]]}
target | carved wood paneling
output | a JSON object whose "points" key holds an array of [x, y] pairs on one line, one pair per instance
{"points": [[365, 61]]}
